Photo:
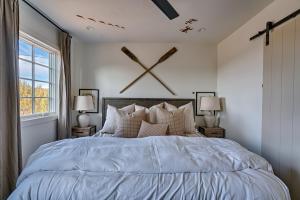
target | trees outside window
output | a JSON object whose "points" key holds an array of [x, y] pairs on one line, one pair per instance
{"points": [[37, 78]]}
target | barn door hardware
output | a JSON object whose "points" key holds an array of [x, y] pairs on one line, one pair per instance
{"points": [[270, 26], [148, 70], [268, 29]]}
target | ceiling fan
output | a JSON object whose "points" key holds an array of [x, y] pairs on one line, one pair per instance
{"points": [[166, 8]]}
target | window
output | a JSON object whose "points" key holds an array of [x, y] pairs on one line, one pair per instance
{"points": [[37, 77]]}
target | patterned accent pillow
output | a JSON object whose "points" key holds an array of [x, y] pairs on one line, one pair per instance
{"points": [[148, 129], [128, 126], [174, 119], [189, 117], [151, 112], [110, 122]]}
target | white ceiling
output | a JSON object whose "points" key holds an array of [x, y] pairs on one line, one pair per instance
{"points": [[144, 22]]}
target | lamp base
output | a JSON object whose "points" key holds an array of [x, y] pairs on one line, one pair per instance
{"points": [[83, 120], [210, 121], [218, 120]]}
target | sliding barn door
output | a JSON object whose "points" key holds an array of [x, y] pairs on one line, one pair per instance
{"points": [[281, 104]]}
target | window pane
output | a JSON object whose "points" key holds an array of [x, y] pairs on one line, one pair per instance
{"points": [[25, 88], [25, 50], [41, 56], [41, 89], [25, 69], [41, 73], [41, 105], [25, 106], [35, 74]]}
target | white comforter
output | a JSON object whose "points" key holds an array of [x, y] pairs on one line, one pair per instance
{"points": [[151, 168]]}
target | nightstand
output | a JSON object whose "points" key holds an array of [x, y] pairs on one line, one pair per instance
{"points": [[82, 132], [216, 132]]}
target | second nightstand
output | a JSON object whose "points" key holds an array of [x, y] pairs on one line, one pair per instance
{"points": [[217, 132], [82, 132]]}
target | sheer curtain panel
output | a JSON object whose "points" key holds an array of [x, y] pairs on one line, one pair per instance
{"points": [[64, 116]]}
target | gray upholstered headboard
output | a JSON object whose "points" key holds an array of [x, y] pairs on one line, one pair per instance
{"points": [[147, 102]]}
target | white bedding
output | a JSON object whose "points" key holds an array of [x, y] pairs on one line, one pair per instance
{"points": [[168, 167]]}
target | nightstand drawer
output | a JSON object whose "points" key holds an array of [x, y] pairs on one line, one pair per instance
{"points": [[82, 132], [212, 132], [79, 134]]}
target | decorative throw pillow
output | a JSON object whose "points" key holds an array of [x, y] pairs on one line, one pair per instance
{"points": [[148, 129], [174, 120], [128, 126], [151, 112], [169, 107], [189, 120], [110, 122]]}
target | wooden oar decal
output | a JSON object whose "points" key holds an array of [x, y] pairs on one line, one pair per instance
{"points": [[135, 59]]}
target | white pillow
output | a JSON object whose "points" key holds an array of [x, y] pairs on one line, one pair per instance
{"points": [[148, 129], [174, 120], [128, 125], [150, 112], [110, 122], [189, 120]]}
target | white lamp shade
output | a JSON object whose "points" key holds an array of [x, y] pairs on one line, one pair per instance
{"points": [[83, 103], [210, 103]]}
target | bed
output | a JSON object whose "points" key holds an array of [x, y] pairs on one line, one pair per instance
{"points": [[158, 167]]}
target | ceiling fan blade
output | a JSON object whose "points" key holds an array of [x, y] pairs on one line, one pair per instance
{"points": [[166, 8]]}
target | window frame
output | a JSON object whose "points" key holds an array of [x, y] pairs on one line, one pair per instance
{"points": [[54, 65]]}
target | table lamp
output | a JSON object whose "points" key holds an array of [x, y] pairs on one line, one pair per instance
{"points": [[83, 104], [210, 104]]}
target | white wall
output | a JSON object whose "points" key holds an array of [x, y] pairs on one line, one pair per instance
{"points": [[35, 133], [36, 26], [106, 67], [240, 72]]}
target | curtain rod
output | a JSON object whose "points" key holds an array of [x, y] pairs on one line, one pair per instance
{"points": [[271, 25], [46, 17]]}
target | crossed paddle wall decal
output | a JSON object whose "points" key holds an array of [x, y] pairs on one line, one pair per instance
{"points": [[148, 70]]}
